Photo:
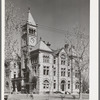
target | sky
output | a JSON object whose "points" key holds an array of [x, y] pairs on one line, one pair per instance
{"points": [[56, 17]]}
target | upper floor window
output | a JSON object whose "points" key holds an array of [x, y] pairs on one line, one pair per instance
{"points": [[62, 62], [54, 71], [34, 60], [68, 84], [35, 69], [54, 61], [68, 72], [69, 62], [46, 84], [31, 31], [46, 58], [54, 85], [76, 73], [63, 59], [14, 75], [45, 70], [63, 71], [14, 65]]}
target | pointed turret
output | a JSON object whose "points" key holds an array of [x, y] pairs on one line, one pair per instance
{"points": [[30, 19]]}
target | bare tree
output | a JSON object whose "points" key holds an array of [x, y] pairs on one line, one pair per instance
{"points": [[79, 41], [13, 22]]}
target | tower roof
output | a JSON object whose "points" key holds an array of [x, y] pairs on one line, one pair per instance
{"points": [[30, 19]]}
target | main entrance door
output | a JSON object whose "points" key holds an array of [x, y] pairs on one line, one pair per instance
{"points": [[63, 85]]}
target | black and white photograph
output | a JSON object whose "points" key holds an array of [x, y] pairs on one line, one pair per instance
{"points": [[46, 50]]}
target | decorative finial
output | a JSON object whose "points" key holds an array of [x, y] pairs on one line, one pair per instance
{"points": [[28, 9]]}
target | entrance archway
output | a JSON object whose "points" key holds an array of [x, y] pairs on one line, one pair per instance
{"points": [[63, 85]]}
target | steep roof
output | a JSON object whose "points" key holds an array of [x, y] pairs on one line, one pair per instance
{"points": [[30, 19], [41, 46], [56, 52]]}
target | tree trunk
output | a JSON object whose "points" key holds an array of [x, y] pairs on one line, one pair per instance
{"points": [[80, 85]]}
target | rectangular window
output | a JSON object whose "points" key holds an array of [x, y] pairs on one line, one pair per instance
{"points": [[68, 84], [14, 75], [68, 72], [62, 62], [46, 70], [54, 61], [46, 58], [54, 84], [63, 71], [54, 71], [76, 73], [35, 69]]}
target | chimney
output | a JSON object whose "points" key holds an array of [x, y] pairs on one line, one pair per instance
{"points": [[44, 41], [66, 46], [40, 38], [48, 44]]}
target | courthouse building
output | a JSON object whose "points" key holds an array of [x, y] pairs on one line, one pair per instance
{"points": [[44, 69]]}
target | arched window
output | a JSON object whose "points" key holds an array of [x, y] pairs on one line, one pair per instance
{"points": [[63, 85], [63, 59], [77, 85], [46, 84]]}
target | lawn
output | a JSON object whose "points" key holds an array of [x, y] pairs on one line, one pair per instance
{"points": [[45, 97]]}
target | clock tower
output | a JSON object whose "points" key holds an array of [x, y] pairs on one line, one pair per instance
{"points": [[28, 41], [29, 33]]}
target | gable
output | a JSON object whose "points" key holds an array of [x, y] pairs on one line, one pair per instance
{"points": [[62, 52]]}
